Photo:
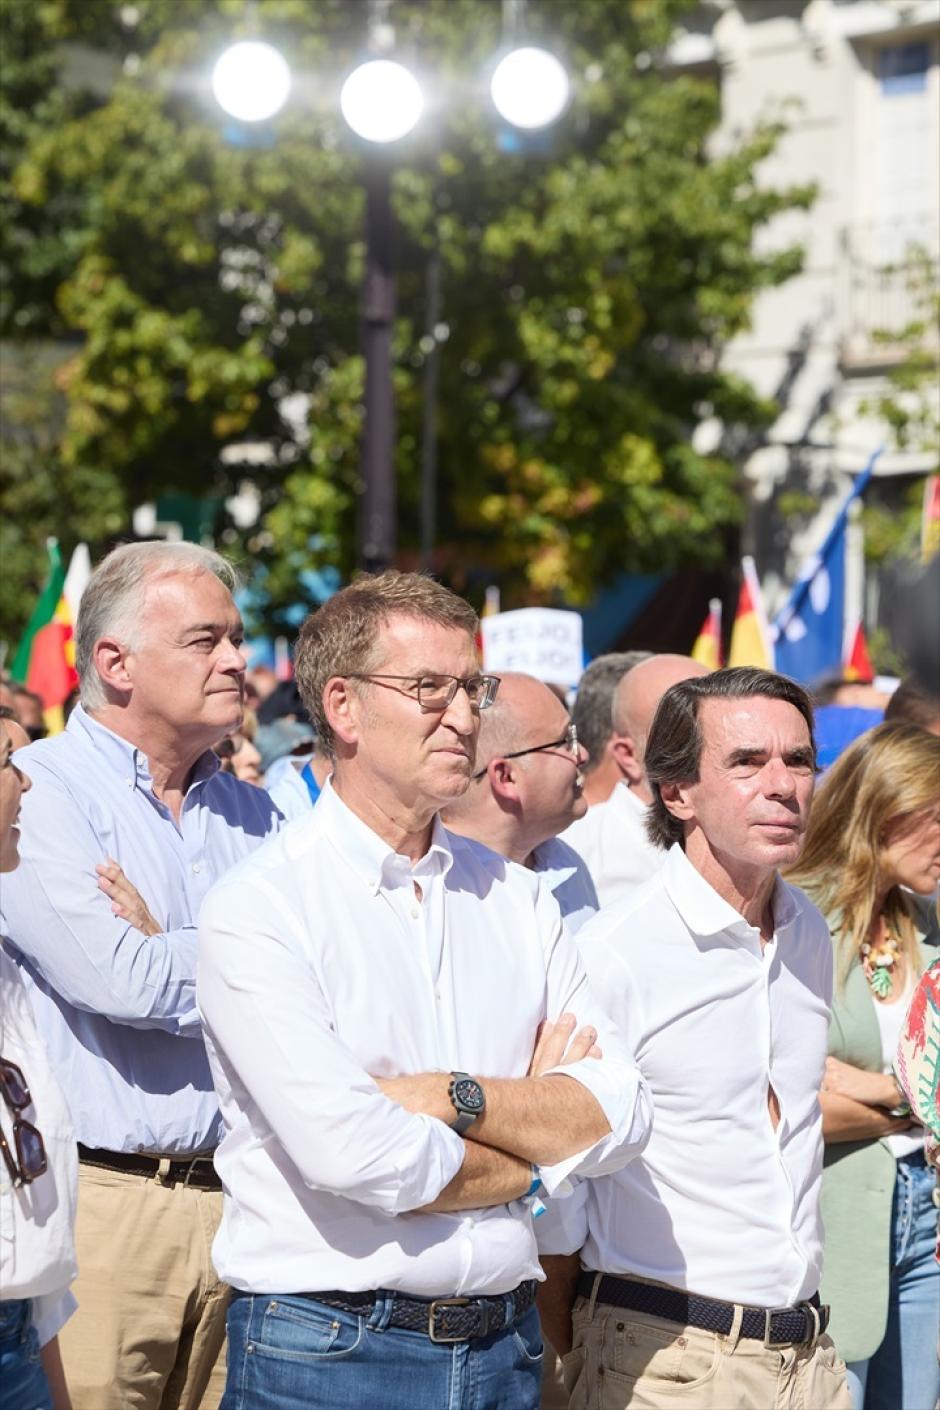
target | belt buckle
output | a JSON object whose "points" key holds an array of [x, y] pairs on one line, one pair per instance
{"points": [[769, 1314], [432, 1312]]}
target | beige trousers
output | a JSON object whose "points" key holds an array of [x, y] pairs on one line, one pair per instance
{"points": [[150, 1325], [626, 1359]]}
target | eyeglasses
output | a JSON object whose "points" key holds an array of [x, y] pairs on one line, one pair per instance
{"points": [[435, 693], [568, 742], [30, 1159]]}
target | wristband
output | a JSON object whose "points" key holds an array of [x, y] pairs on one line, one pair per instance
{"points": [[536, 1183]]}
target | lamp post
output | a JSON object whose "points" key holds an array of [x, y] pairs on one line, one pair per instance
{"points": [[382, 102]]}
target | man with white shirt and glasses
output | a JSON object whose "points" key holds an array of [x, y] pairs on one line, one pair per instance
{"points": [[527, 787], [612, 837], [700, 1262], [372, 989], [131, 792]]}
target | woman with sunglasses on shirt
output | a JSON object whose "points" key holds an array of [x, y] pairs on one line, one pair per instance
{"points": [[38, 1168]]}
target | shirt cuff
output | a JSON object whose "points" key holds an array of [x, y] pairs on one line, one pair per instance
{"points": [[622, 1094], [50, 1313], [425, 1169]]}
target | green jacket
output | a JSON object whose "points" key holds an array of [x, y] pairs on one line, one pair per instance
{"points": [[857, 1190]]}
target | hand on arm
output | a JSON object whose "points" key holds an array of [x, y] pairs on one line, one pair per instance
{"points": [[555, 1297], [126, 900], [542, 1119], [877, 1089], [845, 1119]]}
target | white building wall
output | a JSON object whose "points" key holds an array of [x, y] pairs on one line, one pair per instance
{"points": [[875, 157]]}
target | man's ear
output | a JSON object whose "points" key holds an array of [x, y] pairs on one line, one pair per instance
{"points": [[343, 709], [502, 780], [110, 660], [676, 798], [626, 755]]}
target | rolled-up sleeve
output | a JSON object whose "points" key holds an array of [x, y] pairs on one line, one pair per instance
{"points": [[614, 1080], [268, 1024]]}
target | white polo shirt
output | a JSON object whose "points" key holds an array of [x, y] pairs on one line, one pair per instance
{"points": [[719, 1203]]}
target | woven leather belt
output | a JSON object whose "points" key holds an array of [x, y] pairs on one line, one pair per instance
{"points": [[195, 1170], [443, 1319], [774, 1326]]}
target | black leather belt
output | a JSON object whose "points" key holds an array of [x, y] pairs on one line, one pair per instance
{"points": [[774, 1326], [443, 1319], [195, 1170]]}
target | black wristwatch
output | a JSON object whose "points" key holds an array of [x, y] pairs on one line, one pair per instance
{"points": [[467, 1098]]}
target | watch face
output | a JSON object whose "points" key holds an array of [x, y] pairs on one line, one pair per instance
{"points": [[469, 1094]]}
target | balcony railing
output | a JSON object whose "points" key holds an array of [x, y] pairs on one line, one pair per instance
{"points": [[891, 274]]}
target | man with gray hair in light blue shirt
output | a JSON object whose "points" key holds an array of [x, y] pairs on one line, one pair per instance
{"points": [[128, 824]]}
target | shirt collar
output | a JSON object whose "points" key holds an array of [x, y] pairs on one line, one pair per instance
{"points": [[553, 861], [126, 758], [707, 913], [370, 856]]}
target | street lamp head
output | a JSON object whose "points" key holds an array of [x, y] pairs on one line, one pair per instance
{"points": [[529, 87], [251, 81], [381, 100]]}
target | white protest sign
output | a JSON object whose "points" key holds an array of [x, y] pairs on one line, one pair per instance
{"points": [[541, 641]]}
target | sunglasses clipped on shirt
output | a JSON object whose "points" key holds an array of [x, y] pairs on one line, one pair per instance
{"points": [[29, 1160], [568, 742], [436, 693]]}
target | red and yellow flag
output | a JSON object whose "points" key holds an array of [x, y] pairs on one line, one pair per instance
{"points": [[857, 664], [750, 639], [707, 648], [45, 658]]}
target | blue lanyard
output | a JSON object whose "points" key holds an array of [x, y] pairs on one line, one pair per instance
{"points": [[313, 788]]}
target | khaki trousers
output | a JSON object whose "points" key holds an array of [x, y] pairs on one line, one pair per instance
{"points": [[626, 1359], [150, 1325]]}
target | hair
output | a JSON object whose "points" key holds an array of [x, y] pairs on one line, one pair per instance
{"points": [[674, 746], [886, 774], [342, 637], [913, 705], [593, 710], [113, 601]]}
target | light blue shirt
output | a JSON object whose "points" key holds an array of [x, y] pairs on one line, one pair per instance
{"points": [[569, 881], [116, 1009]]}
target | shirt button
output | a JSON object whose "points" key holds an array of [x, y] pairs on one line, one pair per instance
{"points": [[414, 913], [196, 867]]}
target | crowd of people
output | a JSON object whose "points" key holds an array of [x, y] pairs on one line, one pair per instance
{"points": [[394, 1038]]}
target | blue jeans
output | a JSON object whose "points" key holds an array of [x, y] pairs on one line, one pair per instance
{"points": [[904, 1373], [292, 1353], [23, 1384]]}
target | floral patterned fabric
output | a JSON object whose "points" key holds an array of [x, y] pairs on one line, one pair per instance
{"points": [[918, 1057]]}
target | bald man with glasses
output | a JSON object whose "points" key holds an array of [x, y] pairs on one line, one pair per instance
{"points": [[527, 788], [384, 1006]]}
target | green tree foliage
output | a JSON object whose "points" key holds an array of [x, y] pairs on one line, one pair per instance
{"points": [[208, 291]]}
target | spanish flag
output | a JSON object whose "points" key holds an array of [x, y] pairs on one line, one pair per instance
{"points": [[750, 639], [707, 648], [857, 664], [45, 658]]}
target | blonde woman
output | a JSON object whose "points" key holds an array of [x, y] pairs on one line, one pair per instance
{"points": [[873, 839]]}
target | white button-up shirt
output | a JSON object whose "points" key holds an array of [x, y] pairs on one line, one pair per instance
{"points": [[37, 1252], [611, 837], [720, 1203], [319, 965]]}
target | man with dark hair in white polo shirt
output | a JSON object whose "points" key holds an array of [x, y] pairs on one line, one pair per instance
{"points": [[696, 1285], [373, 992]]}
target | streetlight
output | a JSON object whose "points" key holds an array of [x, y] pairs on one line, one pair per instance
{"points": [[381, 101], [529, 88], [251, 81]]}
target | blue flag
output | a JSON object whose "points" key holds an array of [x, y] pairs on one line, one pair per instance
{"points": [[809, 632]]}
